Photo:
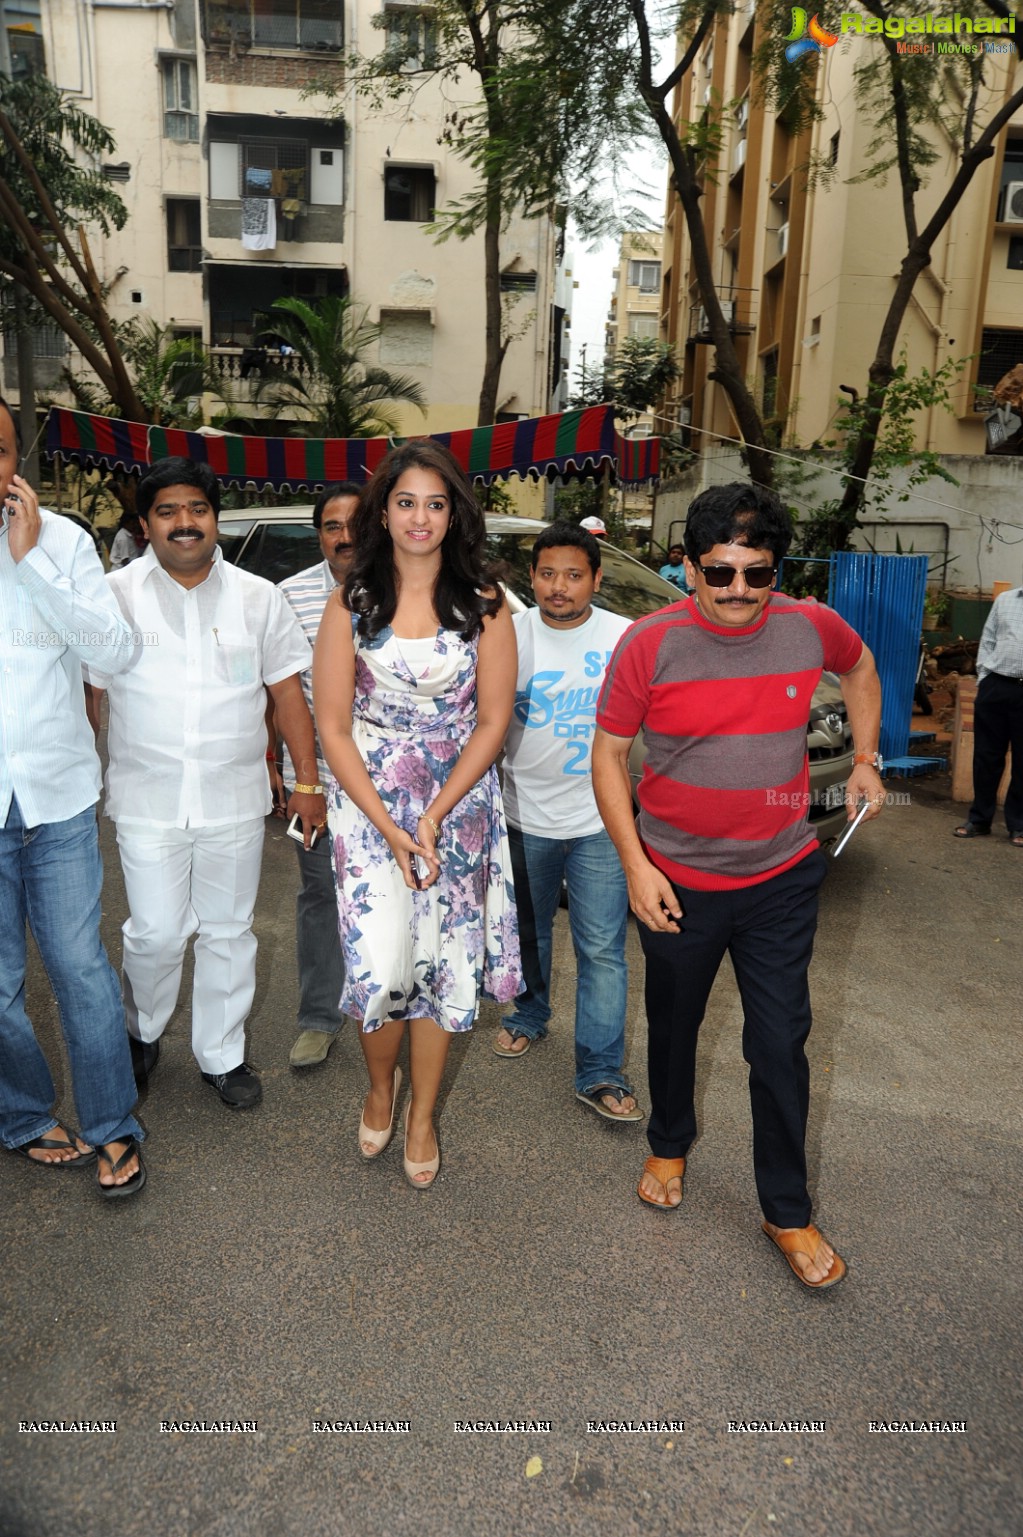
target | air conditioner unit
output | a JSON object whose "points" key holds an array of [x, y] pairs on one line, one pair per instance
{"points": [[739, 155], [783, 240], [1013, 208], [742, 114], [703, 323]]}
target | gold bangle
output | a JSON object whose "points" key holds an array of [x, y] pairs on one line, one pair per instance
{"points": [[436, 829], [308, 789]]}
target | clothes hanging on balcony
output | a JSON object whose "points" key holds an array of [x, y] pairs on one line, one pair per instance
{"points": [[258, 181], [259, 223]]}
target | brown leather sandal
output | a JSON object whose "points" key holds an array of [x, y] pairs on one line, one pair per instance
{"points": [[664, 1170], [806, 1240]]}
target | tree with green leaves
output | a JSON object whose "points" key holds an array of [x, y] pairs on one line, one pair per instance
{"points": [[912, 103], [909, 101], [48, 200], [327, 383], [170, 375], [525, 99]]}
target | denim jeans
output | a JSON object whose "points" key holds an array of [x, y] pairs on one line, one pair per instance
{"points": [[321, 967], [598, 909], [52, 876]]}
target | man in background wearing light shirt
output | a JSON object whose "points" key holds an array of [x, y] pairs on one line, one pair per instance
{"points": [[187, 786], [998, 720], [321, 971], [55, 614]]}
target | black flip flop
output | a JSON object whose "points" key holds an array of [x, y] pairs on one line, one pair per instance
{"points": [[51, 1145], [131, 1186], [971, 830], [594, 1098]]}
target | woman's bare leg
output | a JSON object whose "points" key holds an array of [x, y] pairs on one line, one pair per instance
{"points": [[380, 1049], [428, 1053]]}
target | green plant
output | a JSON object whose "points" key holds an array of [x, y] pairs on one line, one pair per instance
{"points": [[329, 386]]}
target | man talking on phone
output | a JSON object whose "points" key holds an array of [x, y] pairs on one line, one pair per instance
{"points": [[187, 785], [56, 612], [724, 858]]}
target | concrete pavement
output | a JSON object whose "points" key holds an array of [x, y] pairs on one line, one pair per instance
{"points": [[266, 1274]]}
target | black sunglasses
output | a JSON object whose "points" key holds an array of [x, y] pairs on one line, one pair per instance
{"points": [[724, 576]]}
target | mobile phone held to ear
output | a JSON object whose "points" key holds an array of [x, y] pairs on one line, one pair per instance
{"points": [[295, 831]]}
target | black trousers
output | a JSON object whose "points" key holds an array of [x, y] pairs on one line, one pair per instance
{"points": [[997, 729], [768, 931]]}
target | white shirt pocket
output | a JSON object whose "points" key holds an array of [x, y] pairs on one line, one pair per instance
{"points": [[235, 662]]}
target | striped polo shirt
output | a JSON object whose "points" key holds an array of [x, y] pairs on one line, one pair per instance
{"points": [[307, 592], [723, 712]]}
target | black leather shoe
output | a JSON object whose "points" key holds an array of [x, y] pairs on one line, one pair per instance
{"points": [[144, 1057], [240, 1089]]}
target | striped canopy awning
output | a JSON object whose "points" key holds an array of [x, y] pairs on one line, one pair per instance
{"points": [[573, 442]]}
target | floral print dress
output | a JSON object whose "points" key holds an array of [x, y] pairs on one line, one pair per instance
{"points": [[422, 954]]}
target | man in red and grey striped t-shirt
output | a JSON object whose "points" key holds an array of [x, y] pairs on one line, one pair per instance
{"points": [[723, 858]]}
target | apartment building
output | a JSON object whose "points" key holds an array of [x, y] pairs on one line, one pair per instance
{"points": [[635, 308], [245, 183], [805, 268]]}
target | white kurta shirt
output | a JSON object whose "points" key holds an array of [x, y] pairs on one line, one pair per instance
{"points": [[187, 739]]}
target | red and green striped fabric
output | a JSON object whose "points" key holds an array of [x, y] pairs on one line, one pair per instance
{"points": [[579, 441]]}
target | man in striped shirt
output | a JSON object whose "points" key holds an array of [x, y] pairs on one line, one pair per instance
{"points": [[320, 967], [723, 858]]}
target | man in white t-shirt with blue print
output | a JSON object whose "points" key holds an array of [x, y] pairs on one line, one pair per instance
{"points": [[554, 827]]}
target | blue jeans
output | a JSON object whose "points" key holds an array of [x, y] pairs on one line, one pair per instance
{"points": [[52, 876], [598, 909]]}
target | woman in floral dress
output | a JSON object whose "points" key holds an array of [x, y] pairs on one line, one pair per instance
{"points": [[413, 682]]}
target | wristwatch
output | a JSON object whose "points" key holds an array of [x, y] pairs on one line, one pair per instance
{"points": [[873, 758]]}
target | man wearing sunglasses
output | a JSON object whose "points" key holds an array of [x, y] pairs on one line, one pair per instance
{"points": [[723, 858]]}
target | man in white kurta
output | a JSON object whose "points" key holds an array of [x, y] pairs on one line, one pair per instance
{"points": [[187, 785]]}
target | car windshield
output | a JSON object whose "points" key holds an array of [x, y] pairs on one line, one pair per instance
{"points": [[626, 587]]}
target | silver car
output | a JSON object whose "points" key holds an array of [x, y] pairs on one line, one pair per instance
{"points": [[275, 542]]}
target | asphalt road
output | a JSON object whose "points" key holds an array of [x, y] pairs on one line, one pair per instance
{"points": [[266, 1274]]}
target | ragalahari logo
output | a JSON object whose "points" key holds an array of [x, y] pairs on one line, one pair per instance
{"points": [[806, 37]]}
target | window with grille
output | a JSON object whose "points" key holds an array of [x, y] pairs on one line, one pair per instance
{"points": [[411, 35], [184, 241], [180, 101], [644, 327], [48, 341], [23, 24], [1001, 348], [274, 168], [312, 25], [646, 276], [409, 193]]}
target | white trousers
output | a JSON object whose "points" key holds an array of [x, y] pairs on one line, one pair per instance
{"points": [[179, 881]]}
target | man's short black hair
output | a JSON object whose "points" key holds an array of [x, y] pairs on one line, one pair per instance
{"points": [[738, 513], [176, 472], [336, 488], [14, 422], [678, 545], [569, 536]]}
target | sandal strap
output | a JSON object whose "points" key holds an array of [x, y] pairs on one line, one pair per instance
{"points": [[117, 1165]]}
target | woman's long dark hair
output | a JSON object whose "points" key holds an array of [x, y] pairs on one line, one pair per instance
{"points": [[465, 592]]}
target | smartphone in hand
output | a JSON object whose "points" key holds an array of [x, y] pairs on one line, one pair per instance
{"points": [[295, 831]]}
